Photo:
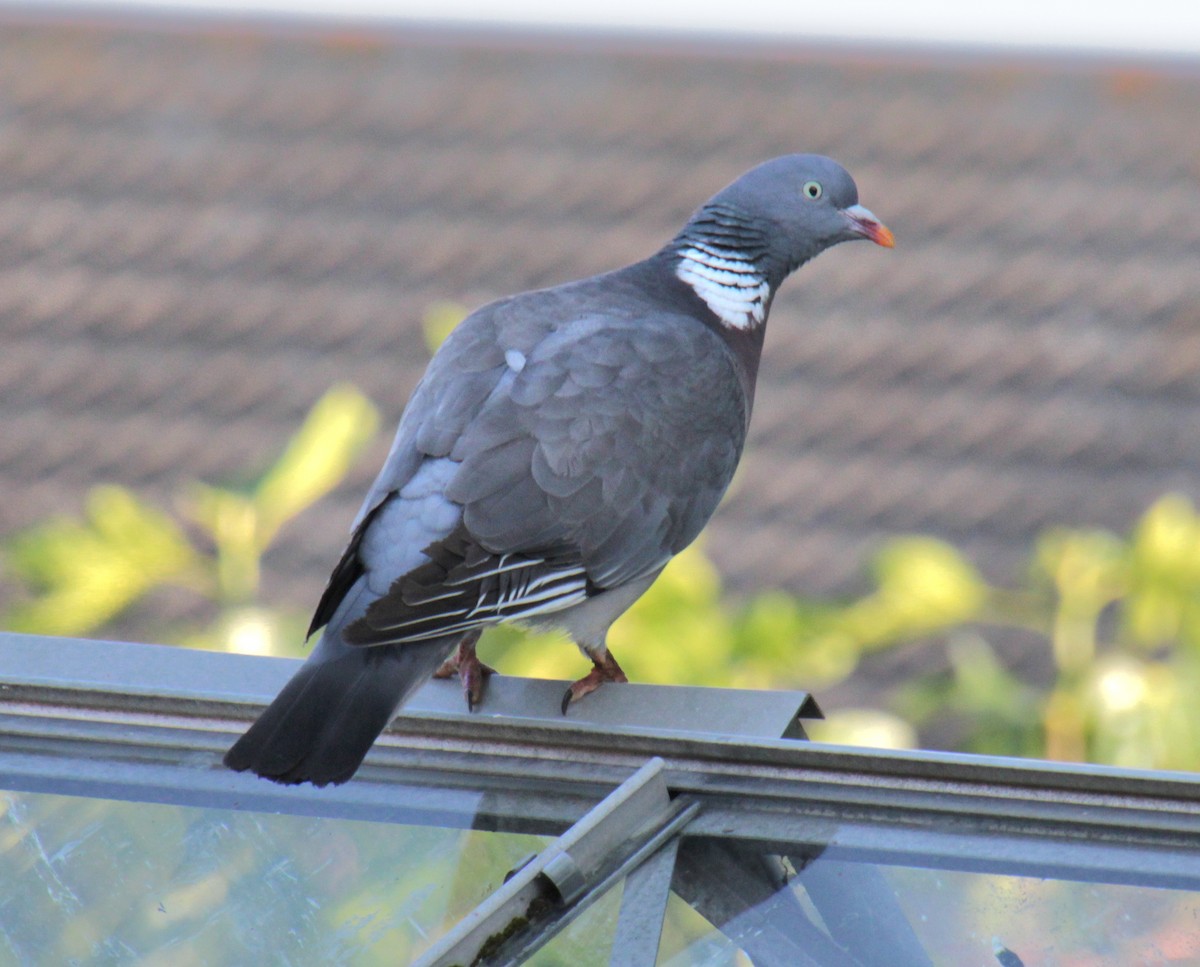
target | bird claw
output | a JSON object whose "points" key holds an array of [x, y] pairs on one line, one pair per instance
{"points": [[604, 670], [470, 670]]}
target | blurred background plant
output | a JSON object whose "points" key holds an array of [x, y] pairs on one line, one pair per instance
{"points": [[80, 575], [1119, 615]]}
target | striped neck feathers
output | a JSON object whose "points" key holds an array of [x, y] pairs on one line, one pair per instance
{"points": [[724, 260]]}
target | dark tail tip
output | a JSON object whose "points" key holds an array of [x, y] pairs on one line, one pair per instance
{"points": [[321, 726]]}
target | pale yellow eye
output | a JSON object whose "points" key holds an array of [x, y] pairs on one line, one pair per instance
{"points": [[812, 190]]}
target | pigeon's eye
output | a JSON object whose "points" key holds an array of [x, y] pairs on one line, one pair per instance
{"points": [[812, 189]]}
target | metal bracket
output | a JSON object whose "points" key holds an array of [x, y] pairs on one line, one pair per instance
{"points": [[621, 832], [644, 909]]}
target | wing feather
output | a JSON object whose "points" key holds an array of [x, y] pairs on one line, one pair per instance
{"points": [[463, 587]]}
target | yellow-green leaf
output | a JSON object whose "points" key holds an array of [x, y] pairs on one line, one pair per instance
{"points": [[439, 321], [89, 572], [316, 459]]}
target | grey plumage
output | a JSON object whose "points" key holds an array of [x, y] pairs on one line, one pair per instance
{"points": [[562, 446]]}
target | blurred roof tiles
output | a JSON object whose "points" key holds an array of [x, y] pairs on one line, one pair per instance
{"points": [[201, 231]]}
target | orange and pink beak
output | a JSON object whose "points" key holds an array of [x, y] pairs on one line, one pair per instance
{"points": [[863, 222]]}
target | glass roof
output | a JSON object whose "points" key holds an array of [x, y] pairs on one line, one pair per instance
{"points": [[518, 837], [100, 881], [94, 880]]}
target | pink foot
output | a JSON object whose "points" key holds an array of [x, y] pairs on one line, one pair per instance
{"points": [[470, 670], [604, 670]]}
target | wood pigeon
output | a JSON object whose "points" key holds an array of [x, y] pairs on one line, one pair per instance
{"points": [[563, 445]]}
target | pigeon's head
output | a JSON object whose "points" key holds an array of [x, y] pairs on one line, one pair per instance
{"points": [[806, 203]]}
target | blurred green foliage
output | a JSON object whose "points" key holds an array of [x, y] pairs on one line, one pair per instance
{"points": [[81, 575], [242, 526], [1119, 615], [86, 572], [1119, 619]]}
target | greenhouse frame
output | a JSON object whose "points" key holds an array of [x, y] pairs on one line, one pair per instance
{"points": [[651, 825]]}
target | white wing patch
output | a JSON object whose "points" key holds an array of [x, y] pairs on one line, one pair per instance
{"points": [[408, 524], [513, 588], [729, 284], [515, 359]]}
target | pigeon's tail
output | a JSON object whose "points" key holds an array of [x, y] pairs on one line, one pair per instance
{"points": [[321, 725]]}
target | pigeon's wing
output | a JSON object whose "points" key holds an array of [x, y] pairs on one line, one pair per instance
{"points": [[617, 441], [463, 374], [467, 370], [603, 456]]}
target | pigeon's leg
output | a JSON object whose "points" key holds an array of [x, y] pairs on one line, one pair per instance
{"points": [[604, 669], [470, 670]]}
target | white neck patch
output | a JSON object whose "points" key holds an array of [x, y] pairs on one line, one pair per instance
{"points": [[729, 284]]}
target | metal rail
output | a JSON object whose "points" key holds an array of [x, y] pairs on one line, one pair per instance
{"points": [[149, 723]]}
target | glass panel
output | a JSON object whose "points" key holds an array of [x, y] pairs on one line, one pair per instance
{"points": [[100, 881], [586, 942], [962, 917], [688, 940], [938, 917]]}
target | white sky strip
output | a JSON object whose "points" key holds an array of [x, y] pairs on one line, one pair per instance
{"points": [[1151, 27]]}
